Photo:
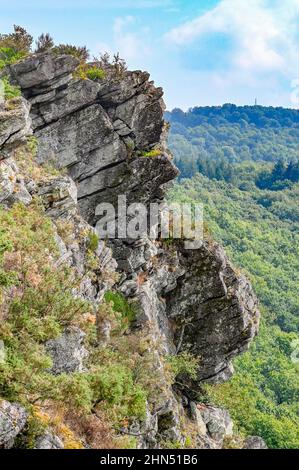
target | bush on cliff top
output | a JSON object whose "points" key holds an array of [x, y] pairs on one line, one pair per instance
{"points": [[9, 56], [20, 40]]}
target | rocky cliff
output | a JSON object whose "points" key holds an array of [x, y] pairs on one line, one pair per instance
{"points": [[103, 139]]}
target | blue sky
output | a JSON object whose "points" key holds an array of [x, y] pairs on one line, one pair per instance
{"points": [[202, 52]]}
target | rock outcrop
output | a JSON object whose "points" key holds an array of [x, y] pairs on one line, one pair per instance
{"points": [[214, 309], [15, 125], [48, 441], [67, 352], [254, 442], [13, 418], [191, 301]]}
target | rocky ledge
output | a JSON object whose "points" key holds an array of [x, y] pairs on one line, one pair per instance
{"points": [[191, 301]]}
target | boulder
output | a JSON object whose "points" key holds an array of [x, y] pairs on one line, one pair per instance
{"points": [[12, 186], [48, 441], [59, 196], [67, 352], [218, 422], [197, 417], [216, 308], [41, 71], [254, 442], [13, 418]]}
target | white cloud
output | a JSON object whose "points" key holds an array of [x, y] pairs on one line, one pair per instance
{"points": [[129, 40], [263, 33]]}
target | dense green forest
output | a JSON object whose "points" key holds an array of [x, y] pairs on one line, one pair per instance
{"points": [[255, 214], [212, 140]]}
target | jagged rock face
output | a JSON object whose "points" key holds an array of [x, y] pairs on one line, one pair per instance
{"points": [[15, 124], [12, 186], [92, 128], [213, 425], [41, 72], [214, 309], [190, 300], [13, 418]]}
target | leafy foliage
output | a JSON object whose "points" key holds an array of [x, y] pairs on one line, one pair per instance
{"points": [[10, 91], [259, 229], [114, 67], [151, 153], [127, 310], [210, 139], [44, 43], [92, 72], [9, 56], [20, 40], [183, 364], [38, 308], [79, 52], [95, 73]]}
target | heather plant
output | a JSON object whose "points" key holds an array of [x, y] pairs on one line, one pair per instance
{"points": [[80, 52], [44, 43], [114, 67], [19, 41]]}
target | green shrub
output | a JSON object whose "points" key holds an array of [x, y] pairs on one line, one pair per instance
{"points": [[44, 306], [92, 241], [95, 73], [44, 43], [80, 52], [9, 56], [114, 385], [19, 40], [126, 310], [85, 71], [32, 144], [151, 153], [10, 91], [183, 363]]}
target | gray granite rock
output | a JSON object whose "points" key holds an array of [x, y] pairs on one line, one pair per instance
{"points": [[14, 125], [216, 309], [13, 418], [67, 352], [48, 441], [59, 196], [254, 442], [12, 186], [188, 300], [40, 71], [218, 422]]}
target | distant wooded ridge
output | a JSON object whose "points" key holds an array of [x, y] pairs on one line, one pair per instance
{"points": [[260, 116], [217, 141]]}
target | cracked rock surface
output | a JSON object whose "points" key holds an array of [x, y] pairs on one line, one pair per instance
{"points": [[101, 133]]}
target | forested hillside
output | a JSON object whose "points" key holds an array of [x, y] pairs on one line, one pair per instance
{"points": [[257, 220], [212, 140]]}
